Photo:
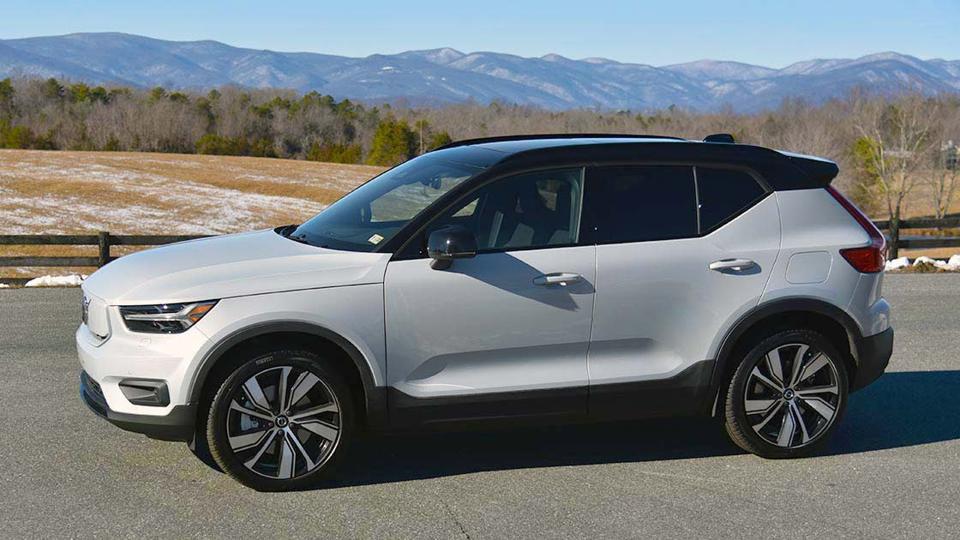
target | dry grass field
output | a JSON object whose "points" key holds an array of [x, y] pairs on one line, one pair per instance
{"points": [[72, 192], [50, 192]]}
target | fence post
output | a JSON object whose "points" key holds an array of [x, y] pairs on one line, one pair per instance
{"points": [[103, 242], [894, 249]]}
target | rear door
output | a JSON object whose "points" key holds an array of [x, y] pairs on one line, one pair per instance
{"points": [[682, 252]]}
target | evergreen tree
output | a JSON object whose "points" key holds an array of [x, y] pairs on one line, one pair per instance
{"points": [[335, 153], [6, 99], [157, 93], [393, 143], [52, 89], [439, 139], [79, 92]]}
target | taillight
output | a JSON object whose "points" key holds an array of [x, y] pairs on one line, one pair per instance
{"points": [[868, 259]]}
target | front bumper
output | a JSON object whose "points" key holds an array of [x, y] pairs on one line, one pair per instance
{"points": [[873, 356], [177, 425]]}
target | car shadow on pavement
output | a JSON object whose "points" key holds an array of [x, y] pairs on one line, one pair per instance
{"points": [[900, 409], [399, 457], [906, 408]]}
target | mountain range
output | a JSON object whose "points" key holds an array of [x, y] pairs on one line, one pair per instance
{"points": [[445, 75]]}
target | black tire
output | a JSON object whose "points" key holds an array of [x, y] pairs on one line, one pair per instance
{"points": [[808, 410], [286, 477]]}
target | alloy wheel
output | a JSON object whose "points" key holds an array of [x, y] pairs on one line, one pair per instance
{"points": [[283, 422], [792, 395]]}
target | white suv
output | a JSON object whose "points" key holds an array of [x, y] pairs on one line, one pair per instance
{"points": [[546, 278]]}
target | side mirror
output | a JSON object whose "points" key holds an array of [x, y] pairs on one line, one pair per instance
{"points": [[449, 243]]}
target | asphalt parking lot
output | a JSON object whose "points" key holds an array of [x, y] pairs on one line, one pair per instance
{"points": [[893, 470]]}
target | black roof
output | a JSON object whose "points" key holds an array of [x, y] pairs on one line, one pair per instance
{"points": [[781, 170]]}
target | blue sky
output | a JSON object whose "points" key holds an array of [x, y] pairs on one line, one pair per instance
{"points": [[772, 33]]}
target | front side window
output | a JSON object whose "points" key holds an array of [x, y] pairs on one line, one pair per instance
{"points": [[639, 203], [373, 213], [531, 210]]}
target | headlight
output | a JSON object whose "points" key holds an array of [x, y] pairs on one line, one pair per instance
{"points": [[164, 318]]}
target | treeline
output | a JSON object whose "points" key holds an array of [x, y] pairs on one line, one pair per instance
{"points": [[886, 146], [51, 115]]}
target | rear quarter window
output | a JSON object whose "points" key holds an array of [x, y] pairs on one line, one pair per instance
{"points": [[724, 194]]}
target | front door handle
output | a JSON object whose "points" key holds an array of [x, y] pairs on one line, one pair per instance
{"points": [[737, 265], [557, 278]]}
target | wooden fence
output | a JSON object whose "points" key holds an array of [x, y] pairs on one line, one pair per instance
{"points": [[103, 241], [896, 242]]}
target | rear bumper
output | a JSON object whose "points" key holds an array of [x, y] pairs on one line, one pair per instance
{"points": [[873, 356], [177, 425]]}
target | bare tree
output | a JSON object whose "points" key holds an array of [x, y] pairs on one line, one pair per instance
{"points": [[895, 143], [943, 179]]}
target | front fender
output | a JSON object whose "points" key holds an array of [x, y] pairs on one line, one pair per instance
{"points": [[351, 317]]}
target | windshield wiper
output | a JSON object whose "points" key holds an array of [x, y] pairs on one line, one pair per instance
{"points": [[301, 239], [287, 232]]}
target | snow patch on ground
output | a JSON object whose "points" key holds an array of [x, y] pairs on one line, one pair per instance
{"points": [[896, 264], [951, 265], [74, 280]]}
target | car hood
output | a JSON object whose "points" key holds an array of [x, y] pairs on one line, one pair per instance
{"points": [[225, 266]]}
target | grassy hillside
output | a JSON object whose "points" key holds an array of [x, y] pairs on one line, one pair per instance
{"points": [[69, 192], [48, 192]]}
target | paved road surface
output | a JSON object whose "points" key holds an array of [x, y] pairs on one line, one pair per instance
{"points": [[892, 471]]}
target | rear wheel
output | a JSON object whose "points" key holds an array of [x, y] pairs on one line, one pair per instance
{"points": [[280, 421], [787, 396]]}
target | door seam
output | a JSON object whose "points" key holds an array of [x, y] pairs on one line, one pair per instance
{"points": [[776, 258], [593, 316]]}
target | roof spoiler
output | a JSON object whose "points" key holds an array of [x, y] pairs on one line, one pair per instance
{"points": [[820, 171]]}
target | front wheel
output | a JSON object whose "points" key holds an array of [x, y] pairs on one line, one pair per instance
{"points": [[280, 421], [787, 396]]}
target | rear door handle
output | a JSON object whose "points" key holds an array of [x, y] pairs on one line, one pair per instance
{"points": [[557, 278], [732, 264]]}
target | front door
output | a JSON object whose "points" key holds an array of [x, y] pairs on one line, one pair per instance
{"points": [[498, 335]]}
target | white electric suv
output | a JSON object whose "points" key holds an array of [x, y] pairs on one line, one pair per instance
{"points": [[547, 278]]}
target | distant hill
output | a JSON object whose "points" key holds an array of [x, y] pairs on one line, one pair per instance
{"points": [[446, 75]]}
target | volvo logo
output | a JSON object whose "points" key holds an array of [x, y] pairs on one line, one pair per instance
{"points": [[281, 421], [788, 394], [84, 309]]}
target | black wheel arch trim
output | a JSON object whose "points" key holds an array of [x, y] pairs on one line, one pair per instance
{"points": [[772, 309], [375, 396]]}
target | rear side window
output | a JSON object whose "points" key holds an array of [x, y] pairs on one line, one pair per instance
{"points": [[724, 193], [639, 203]]}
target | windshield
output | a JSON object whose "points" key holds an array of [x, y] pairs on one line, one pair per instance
{"points": [[373, 213]]}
